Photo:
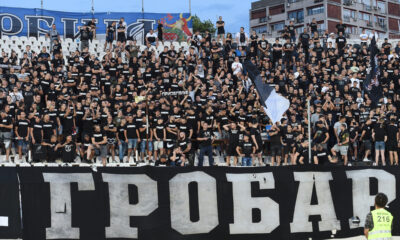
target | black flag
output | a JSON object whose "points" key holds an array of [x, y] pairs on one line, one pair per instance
{"points": [[274, 104], [371, 84]]}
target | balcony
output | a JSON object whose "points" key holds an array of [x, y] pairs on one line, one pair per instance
{"points": [[382, 26], [346, 19], [348, 2], [367, 8]]}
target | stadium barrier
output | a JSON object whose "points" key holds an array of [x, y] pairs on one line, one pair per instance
{"points": [[191, 203]]}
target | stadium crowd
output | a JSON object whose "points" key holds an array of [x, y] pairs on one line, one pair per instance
{"points": [[175, 107]]}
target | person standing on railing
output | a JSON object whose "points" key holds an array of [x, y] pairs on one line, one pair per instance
{"points": [[292, 32], [313, 27], [242, 38], [364, 38], [160, 30], [220, 30], [341, 28], [121, 30], [84, 31], [110, 35], [53, 35], [305, 43]]}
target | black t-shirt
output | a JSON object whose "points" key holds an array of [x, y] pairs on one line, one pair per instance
{"points": [[314, 27], [98, 136], [321, 134], [69, 152], [263, 44], [111, 30], [234, 136], [288, 138], [121, 133], [160, 131], [380, 134], [84, 35], [291, 30], [6, 121], [162, 164], [220, 29], [247, 148], [23, 127], [183, 144], [48, 130], [257, 135], [277, 52], [37, 130], [131, 130], [111, 134], [205, 134], [341, 28], [368, 132], [341, 42], [276, 138], [287, 47], [392, 131], [304, 38], [322, 157]]}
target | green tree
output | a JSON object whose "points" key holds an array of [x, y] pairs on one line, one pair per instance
{"points": [[202, 26]]}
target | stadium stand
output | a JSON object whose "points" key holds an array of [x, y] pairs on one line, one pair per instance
{"points": [[68, 105]]}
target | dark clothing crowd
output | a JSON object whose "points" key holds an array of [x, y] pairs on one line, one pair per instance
{"points": [[179, 107]]}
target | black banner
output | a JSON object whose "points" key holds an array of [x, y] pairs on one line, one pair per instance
{"points": [[10, 212], [299, 202]]}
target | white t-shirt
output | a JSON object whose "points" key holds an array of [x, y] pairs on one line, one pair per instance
{"points": [[352, 80], [364, 37], [237, 67], [371, 35], [333, 41], [151, 37]]}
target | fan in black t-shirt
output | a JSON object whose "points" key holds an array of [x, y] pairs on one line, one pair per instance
{"points": [[68, 150], [234, 133], [221, 29], [341, 28], [22, 133], [393, 141]]}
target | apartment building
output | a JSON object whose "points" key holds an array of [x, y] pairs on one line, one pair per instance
{"points": [[383, 16]]}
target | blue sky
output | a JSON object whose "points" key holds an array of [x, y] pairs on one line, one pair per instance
{"points": [[234, 12]]}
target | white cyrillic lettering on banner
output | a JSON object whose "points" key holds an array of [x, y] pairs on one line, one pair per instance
{"points": [[362, 199], [304, 209], [179, 202], [60, 197], [243, 203], [121, 210]]}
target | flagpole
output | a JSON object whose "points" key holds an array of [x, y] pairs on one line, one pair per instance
{"points": [[309, 130], [147, 127]]}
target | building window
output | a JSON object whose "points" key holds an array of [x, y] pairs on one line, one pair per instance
{"points": [[351, 30], [380, 21], [294, 1], [260, 30], [277, 26], [382, 35], [364, 16], [315, 10], [300, 29], [349, 13], [381, 6], [321, 28], [297, 16], [262, 20]]}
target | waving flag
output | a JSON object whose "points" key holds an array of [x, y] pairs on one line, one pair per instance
{"points": [[371, 84], [274, 104]]}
